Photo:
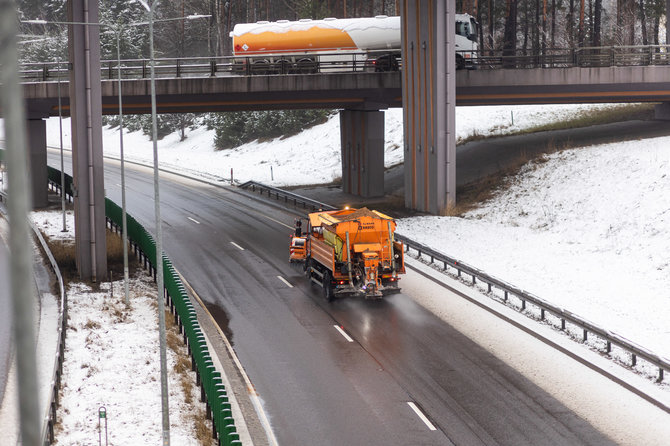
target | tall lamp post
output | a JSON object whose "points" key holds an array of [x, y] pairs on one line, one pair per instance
{"points": [[118, 30], [159, 232]]}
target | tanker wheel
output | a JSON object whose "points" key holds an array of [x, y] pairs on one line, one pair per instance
{"points": [[328, 287]]}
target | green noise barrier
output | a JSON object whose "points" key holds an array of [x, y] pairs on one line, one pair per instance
{"points": [[212, 390]]}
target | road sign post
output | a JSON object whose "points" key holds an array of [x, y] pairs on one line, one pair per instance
{"points": [[102, 415]]}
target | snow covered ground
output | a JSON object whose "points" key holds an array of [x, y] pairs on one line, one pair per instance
{"points": [[585, 230], [112, 363], [285, 162]]}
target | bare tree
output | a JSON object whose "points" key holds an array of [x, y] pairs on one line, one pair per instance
{"points": [[570, 25], [643, 24], [491, 23], [509, 39], [581, 32], [597, 21], [553, 23]]}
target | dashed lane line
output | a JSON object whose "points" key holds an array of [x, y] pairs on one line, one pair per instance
{"points": [[421, 415]]}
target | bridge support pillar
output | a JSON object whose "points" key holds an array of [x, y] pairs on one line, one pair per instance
{"points": [[662, 111], [87, 162], [429, 104], [362, 136], [37, 143]]}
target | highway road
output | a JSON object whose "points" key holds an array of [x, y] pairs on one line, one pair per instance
{"points": [[315, 385]]}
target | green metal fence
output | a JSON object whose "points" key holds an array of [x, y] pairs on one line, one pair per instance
{"points": [[212, 390]]}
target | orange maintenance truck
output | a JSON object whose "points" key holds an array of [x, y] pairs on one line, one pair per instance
{"points": [[351, 252]]}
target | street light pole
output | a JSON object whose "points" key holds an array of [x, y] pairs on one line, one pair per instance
{"points": [[124, 229], [124, 226], [62, 162], [159, 232]]}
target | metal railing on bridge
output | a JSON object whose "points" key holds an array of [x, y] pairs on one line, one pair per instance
{"points": [[585, 57], [213, 66], [611, 56]]}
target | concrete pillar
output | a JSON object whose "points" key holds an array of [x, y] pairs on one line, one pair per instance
{"points": [[87, 162], [362, 136], [37, 143], [662, 111], [429, 98]]}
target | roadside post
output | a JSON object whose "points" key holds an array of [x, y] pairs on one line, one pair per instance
{"points": [[102, 415]]}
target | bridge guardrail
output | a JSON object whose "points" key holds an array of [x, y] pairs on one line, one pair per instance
{"points": [[609, 56], [51, 410], [636, 351], [212, 390]]}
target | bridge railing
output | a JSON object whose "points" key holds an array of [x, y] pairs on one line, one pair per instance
{"points": [[218, 66], [610, 56]]}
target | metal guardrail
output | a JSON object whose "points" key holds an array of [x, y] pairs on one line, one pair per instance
{"points": [[221, 66], [610, 56], [51, 408], [586, 57], [636, 351], [289, 197], [212, 390]]}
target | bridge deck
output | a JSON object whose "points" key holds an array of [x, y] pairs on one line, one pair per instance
{"points": [[367, 91]]}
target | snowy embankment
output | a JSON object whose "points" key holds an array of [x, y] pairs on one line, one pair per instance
{"points": [[289, 161], [112, 363], [585, 230]]}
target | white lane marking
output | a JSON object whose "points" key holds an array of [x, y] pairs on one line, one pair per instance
{"points": [[194, 220], [255, 399], [118, 185], [236, 245], [285, 281], [420, 414], [277, 221], [343, 333]]}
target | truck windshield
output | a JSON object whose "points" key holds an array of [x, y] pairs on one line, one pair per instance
{"points": [[467, 29]]}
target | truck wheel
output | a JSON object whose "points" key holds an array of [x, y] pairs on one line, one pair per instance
{"points": [[460, 62], [328, 287]]}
